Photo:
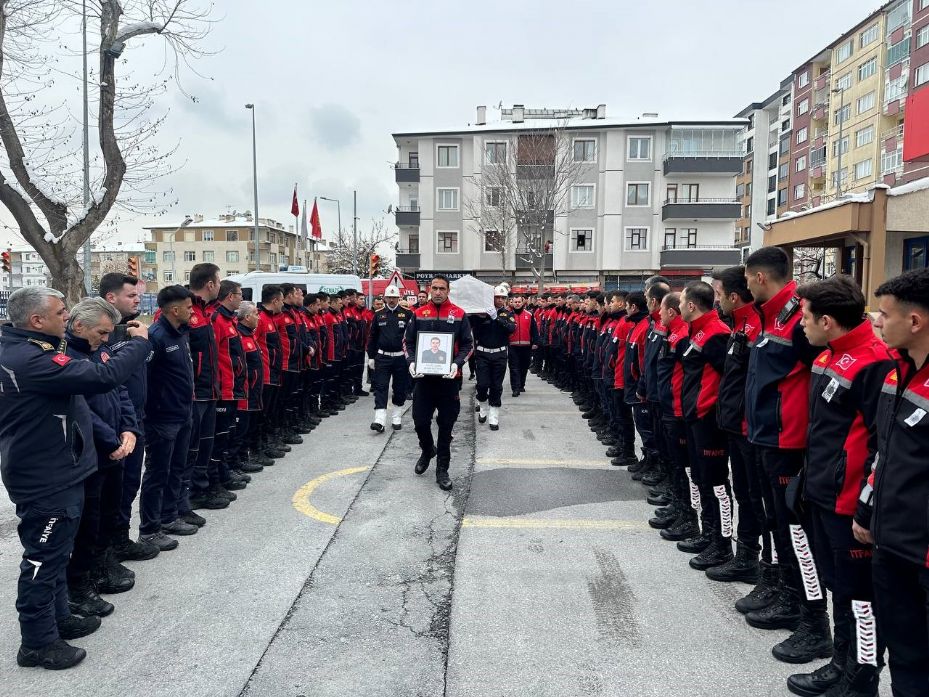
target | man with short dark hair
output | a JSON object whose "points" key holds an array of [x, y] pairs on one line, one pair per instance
{"points": [[269, 343], [659, 468], [523, 342], [491, 330], [633, 365], [900, 482]]}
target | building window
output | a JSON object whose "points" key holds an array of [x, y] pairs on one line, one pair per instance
{"points": [[495, 153], [867, 69], [413, 244], [637, 239], [898, 52], [866, 102], [749, 145], [584, 150], [493, 241], [785, 100], [782, 172], [232, 235], [582, 240], [840, 145], [895, 89], [446, 155], [167, 256], [803, 79], [842, 175], [447, 242], [208, 255], [739, 190], [802, 135], [785, 145], [207, 235], [772, 183], [772, 160], [638, 194], [150, 256], [772, 206], [844, 82], [891, 161], [801, 164], [844, 52], [922, 75], [841, 115], [868, 36], [864, 136], [232, 272], [922, 37], [898, 16], [639, 148], [803, 107], [169, 276], [447, 199], [493, 196], [190, 256], [782, 197], [670, 238], [232, 257], [863, 169], [186, 276], [689, 237], [799, 192], [582, 196]]}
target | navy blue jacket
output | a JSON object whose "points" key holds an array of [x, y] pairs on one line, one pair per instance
{"points": [[111, 413], [170, 374], [46, 434], [137, 383]]}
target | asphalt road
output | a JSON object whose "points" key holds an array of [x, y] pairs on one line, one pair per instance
{"points": [[340, 572]]}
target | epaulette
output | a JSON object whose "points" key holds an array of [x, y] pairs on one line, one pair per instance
{"points": [[44, 345]]}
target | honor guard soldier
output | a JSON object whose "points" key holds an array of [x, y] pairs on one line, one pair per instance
{"points": [[492, 331], [386, 361]]}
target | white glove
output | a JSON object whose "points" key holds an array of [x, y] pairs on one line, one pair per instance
{"points": [[492, 313], [454, 374], [370, 364], [413, 372]]}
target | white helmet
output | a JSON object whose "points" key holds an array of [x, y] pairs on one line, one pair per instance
{"points": [[391, 292], [501, 290]]}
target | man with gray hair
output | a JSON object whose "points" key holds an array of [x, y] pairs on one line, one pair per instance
{"points": [[46, 453]]}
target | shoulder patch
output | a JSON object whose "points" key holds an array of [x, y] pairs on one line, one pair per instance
{"points": [[44, 345], [61, 359], [104, 356]]}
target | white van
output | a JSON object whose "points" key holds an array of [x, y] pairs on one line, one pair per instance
{"points": [[253, 281]]}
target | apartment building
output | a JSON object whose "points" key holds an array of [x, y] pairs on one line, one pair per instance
{"points": [[29, 270], [227, 241], [649, 195]]}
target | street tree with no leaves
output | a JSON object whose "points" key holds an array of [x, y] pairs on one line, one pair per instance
{"points": [[372, 241], [41, 177]]}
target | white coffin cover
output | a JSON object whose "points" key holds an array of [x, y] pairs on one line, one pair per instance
{"points": [[471, 294]]}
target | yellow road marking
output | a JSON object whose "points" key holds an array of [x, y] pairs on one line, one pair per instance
{"points": [[551, 523], [301, 499], [536, 462]]}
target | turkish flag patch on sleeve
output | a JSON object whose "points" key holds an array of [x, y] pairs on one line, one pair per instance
{"points": [[61, 359]]}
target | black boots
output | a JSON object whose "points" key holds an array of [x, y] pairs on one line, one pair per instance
{"points": [[683, 528], [810, 641], [74, 627], [422, 464], [84, 600], [696, 543], [109, 576], [817, 682], [55, 656], [782, 613], [765, 590], [441, 474], [719, 552], [743, 567]]}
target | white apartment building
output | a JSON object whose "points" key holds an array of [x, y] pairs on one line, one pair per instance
{"points": [[650, 196]]}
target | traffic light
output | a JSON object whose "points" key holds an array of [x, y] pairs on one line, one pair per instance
{"points": [[134, 266], [375, 267], [7, 261]]}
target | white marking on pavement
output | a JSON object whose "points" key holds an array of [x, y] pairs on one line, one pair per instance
{"points": [[551, 523]]}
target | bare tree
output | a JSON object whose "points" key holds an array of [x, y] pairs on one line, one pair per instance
{"points": [[524, 184], [43, 173], [343, 250], [813, 263]]}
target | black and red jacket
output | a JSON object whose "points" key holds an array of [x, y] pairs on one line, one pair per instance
{"points": [[609, 348], [634, 358], [620, 336], [440, 318], [269, 342], [311, 322], [203, 353], [730, 409], [901, 477], [287, 330], [654, 339], [231, 362], [777, 386], [327, 334], [844, 393], [254, 370], [671, 368], [704, 361], [527, 333]]}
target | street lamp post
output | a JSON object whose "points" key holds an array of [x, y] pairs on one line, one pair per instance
{"points": [[251, 107], [838, 175], [86, 146], [338, 206]]}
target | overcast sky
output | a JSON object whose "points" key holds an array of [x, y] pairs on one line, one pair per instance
{"points": [[332, 80]]}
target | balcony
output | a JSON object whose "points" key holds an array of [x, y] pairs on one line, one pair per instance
{"points": [[405, 172], [535, 171], [701, 256], [407, 215], [407, 259], [820, 112], [704, 162], [822, 81], [524, 261], [701, 209]]}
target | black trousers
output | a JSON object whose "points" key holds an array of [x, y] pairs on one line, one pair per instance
{"points": [[746, 486], [675, 437], [642, 419], [844, 564], [490, 367], [710, 471], [387, 368], [791, 542], [132, 479], [519, 359], [662, 448], [164, 493], [225, 425], [622, 417], [266, 423], [202, 428], [901, 593], [440, 397], [47, 527], [102, 494]]}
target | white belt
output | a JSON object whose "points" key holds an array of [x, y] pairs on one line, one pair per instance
{"points": [[490, 350], [392, 354], [519, 343]]}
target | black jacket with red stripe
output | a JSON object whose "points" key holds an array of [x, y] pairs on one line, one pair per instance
{"points": [[527, 333], [446, 317], [778, 384], [704, 361], [654, 339], [203, 353], [254, 370], [231, 361], [670, 369], [634, 358], [900, 523], [287, 331], [269, 341], [844, 394], [746, 325]]}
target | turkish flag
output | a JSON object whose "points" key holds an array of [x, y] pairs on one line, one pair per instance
{"points": [[314, 223], [295, 207]]}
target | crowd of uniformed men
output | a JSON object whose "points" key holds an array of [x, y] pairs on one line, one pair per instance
{"points": [[779, 433]]}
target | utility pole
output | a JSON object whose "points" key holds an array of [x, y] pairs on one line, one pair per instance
{"points": [[355, 233], [251, 107], [838, 176], [87, 255]]}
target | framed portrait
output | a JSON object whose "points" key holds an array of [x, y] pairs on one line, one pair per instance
{"points": [[434, 352]]}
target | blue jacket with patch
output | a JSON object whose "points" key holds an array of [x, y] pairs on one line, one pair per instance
{"points": [[170, 375]]}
